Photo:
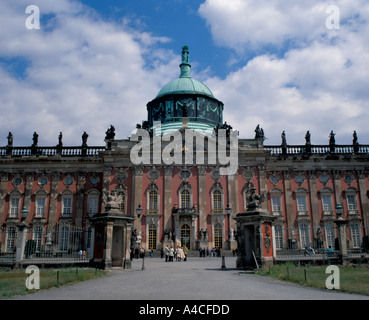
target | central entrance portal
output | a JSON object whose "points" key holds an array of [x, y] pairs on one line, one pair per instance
{"points": [[186, 236]]}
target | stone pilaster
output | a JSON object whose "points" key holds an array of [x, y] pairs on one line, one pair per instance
{"points": [[337, 187], [137, 194], [3, 183], [28, 193], [80, 198], [288, 198], [202, 198], [314, 200], [363, 197], [53, 200], [168, 204], [263, 187]]}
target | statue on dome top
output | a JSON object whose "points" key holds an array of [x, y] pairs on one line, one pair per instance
{"points": [[185, 54]]}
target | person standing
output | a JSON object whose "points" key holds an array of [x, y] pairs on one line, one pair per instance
{"points": [[166, 254], [171, 253], [185, 251]]}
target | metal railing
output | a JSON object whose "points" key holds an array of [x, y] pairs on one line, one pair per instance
{"points": [[55, 244], [319, 243], [61, 243]]}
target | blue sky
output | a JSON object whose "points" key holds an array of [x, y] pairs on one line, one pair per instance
{"points": [[271, 62]]}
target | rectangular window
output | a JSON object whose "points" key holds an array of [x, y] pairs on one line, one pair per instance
{"points": [[304, 236], [278, 237], [351, 204], [67, 206], [64, 238], [40, 207], [276, 204], [37, 236], [329, 236], [93, 205], [301, 204], [326, 204], [14, 207], [355, 235], [10, 240]]}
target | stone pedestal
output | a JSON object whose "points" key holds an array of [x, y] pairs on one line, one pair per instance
{"points": [[112, 239], [254, 239], [342, 236]]}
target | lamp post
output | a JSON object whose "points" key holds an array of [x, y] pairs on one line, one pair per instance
{"points": [[24, 214], [341, 224], [21, 238], [228, 210], [139, 211], [339, 211]]}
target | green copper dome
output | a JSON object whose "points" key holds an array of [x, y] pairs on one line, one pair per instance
{"points": [[185, 98], [185, 84]]}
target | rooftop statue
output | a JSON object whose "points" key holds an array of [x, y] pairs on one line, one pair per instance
{"points": [[307, 138], [185, 54], [259, 133]]}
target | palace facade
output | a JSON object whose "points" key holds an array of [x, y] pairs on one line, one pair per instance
{"points": [[188, 204]]}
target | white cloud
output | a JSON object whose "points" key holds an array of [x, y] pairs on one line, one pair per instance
{"points": [[83, 74], [318, 82]]}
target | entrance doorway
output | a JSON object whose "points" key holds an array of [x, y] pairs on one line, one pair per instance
{"points": [[186, 236]]}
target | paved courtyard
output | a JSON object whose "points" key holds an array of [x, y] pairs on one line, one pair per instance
{"points": [[195, 279]]}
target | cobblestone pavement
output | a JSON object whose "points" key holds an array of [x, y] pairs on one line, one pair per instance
{"points": [[195, 279]]}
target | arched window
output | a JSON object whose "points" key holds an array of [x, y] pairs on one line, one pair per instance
{"points": [[153, 202], [152, 236], [218, 236], [185, 199]]}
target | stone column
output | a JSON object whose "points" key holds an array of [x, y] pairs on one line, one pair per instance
{"points": [[55, 176], [108, 244], [21, 244], [363, 197], [342, 235], [168, 204], [80, 198]]}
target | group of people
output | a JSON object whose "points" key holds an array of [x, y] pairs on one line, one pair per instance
{"points": [[206, 252], [179, 253], [137, 253]]}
